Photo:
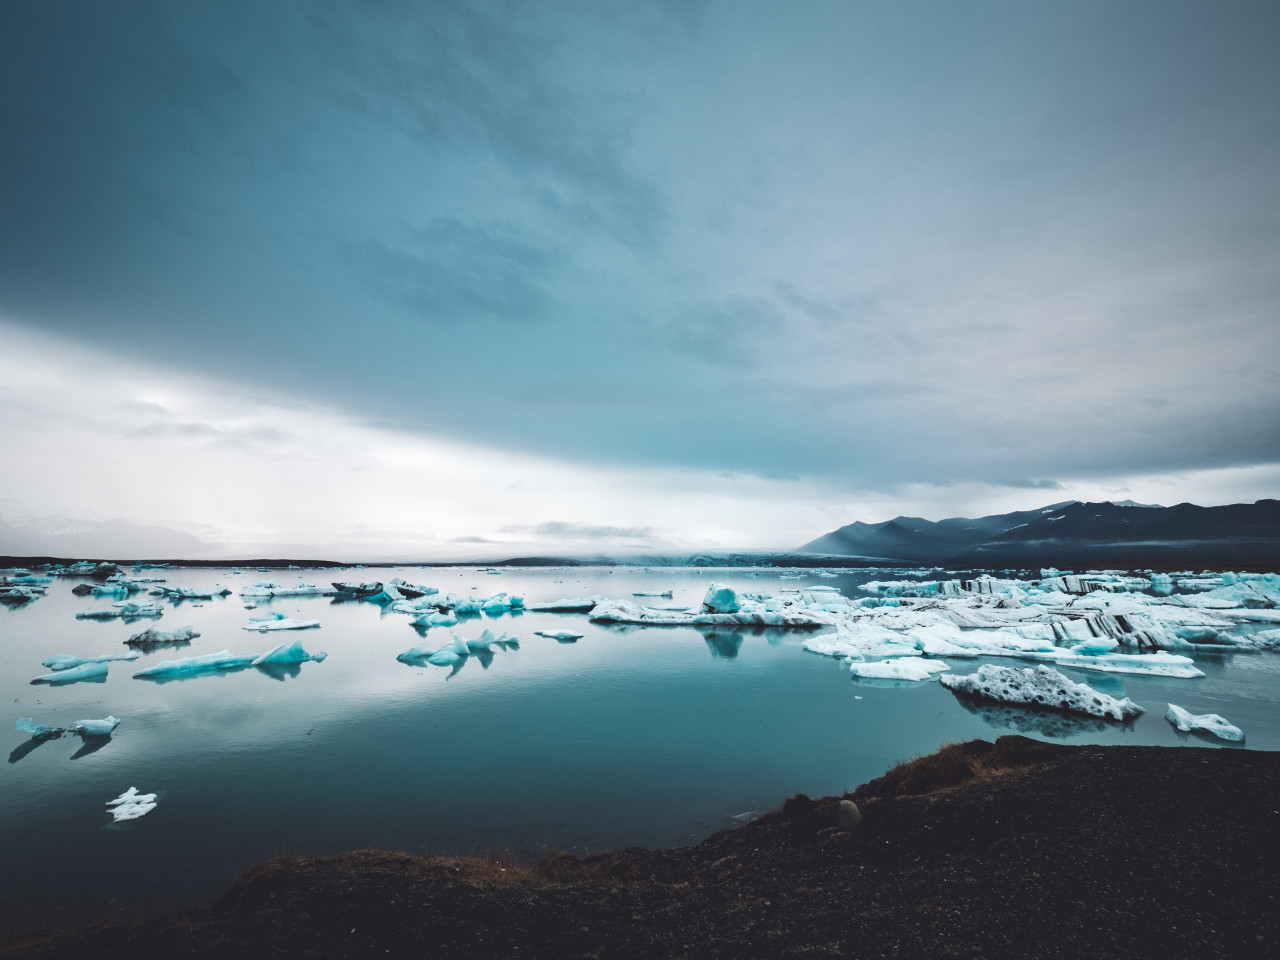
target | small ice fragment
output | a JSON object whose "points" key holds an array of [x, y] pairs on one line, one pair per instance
{"points": [[1208, 722], [131, 805], [564, 636], [94, 728]]}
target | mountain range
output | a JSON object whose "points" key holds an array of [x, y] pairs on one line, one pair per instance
{"points": [[1072, 534]]}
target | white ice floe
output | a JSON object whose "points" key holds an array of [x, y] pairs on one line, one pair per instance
{"points": [[1040, 687], [270, 588], [902, 668], [1208, 722], [659, 594], [86, 671], [753, 612], [94, 728], [564, 636], [65, 661], [278, 621], [131, 805], [566, 605]]}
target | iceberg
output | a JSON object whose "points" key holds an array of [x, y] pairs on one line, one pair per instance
{"points": [[291, 652], [1041, 686], [151, 638], [269, 588], [278, 621], [194, 666], [564, 636], [720, 598], [902, 668], [660, 594], [93, 672], [131, 805], [64, 661], [94, 728], [1208, 722]]}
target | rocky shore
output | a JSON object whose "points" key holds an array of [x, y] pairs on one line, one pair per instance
{"points": [[1015, 849]]}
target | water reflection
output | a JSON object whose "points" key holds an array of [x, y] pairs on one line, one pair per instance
{"points": [[280, 671], [1048, 723], [723, 646]]}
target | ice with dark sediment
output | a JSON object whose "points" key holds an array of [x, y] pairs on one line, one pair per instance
{"points": [[124, 609], [151, 638], [1040, 687]]}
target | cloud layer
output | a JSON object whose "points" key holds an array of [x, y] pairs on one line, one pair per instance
{"points": [[875, 248]]}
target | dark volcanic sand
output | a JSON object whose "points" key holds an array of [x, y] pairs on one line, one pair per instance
{"points": [[1018, 849]]}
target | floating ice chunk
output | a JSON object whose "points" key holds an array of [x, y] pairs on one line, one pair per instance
{"points": [[482, 642], [270, 588], [660, 594], [1208, 722], [39, 731], [290, 652], [567, 605], [94, 672], [1264, 640], [720, 598], [564, 636], [194, 666], [496, 604], [902, 668], [151, 638], [1095, 645], [278, 621], [94, 728], [131, 805], [627, 611], [443, 658], [459, 646], [1158, 664], [862, 641], [1040, 687], [349, 589], [465, 607], [435, 620], [64, 661]]}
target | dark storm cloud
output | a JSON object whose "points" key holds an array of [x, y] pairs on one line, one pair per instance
{"points": [[882, 243]]}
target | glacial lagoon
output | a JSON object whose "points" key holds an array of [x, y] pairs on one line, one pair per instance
{"points": [[630, 735]]}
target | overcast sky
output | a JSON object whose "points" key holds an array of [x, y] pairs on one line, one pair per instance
{"points": [[462, 278]]}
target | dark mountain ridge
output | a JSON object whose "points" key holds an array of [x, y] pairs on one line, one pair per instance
{"points": [[1073, 534]]}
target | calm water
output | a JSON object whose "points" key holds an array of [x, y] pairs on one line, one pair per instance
{"points": [[631, 736]]}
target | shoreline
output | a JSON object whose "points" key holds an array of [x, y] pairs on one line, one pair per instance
{"points": [[1015, 848]]}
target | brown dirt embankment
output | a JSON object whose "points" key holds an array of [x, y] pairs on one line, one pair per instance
{"points": [[1016, 849]]}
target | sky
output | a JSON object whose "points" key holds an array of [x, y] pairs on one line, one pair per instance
{"points": [[471, 279]]}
